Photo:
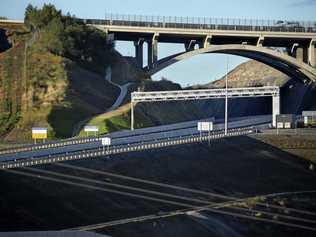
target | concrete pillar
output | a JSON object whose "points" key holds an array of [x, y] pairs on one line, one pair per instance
{"points": [[207, 41], [260, 41], [189, 46], [312, 53], [292, 50], [139, 52], [275, 109], [152, 51], [301, 54]]}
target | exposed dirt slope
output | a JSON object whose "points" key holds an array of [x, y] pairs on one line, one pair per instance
{"points": [[252, 73]]}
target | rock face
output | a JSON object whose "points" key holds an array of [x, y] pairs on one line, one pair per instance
{"points": [[252, 73]]}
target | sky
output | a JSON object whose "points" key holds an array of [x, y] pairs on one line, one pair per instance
{"points": [[199, 69]]}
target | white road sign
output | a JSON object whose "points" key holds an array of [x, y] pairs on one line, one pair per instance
{"points": [[205, 126], [279, 125], [91, 129], [106, 141]]}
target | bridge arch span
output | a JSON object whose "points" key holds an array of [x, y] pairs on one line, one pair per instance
{"points": [[280, 61]]}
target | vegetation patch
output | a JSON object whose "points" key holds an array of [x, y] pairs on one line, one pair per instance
{"points": [[53, 76]]}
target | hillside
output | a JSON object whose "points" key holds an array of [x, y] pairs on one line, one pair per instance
{"points": [[52, 74], [146, 114], [252, 73], [40, 88]]}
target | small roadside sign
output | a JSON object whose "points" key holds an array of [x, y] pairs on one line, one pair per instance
{"points": [[106, 141], [91, 129], [205, 126], [39, 133]]}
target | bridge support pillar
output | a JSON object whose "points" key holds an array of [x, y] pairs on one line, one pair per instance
{"points": [[301, 54], [312, 53], [139, 52], [207, 41], [275, 108], [189, 46], [260, 41], [152, 51]]}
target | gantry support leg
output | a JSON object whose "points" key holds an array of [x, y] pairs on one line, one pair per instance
{"points": [[275, 108], [132, 116]]}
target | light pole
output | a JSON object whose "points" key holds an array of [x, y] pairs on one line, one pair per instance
{"points": [[226, 97]]}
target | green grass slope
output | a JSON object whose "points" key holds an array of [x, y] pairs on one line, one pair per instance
{"points": [[146, 114]]}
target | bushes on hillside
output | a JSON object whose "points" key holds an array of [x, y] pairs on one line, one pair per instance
{"points": [[36, 19], [67, 36]]}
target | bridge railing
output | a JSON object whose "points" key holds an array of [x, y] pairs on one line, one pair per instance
{"points": [[205, 23]]}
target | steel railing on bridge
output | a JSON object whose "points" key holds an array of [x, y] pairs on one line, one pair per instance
{"points": [[206, 23]]}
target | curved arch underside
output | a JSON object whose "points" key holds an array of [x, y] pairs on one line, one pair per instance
{"points": [[280, 61]]}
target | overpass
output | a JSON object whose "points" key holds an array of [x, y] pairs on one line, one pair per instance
{"points": [[256, 39], [251, 38]]}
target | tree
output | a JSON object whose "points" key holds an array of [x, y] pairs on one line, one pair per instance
{"points": [[36, 19], [54, 36], [47, 14], [29, 17]]}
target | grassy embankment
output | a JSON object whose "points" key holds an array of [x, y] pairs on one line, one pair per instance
{"points": [[146, 114]]}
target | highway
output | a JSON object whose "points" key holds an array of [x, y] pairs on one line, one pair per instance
{"points": [[139, 135]]}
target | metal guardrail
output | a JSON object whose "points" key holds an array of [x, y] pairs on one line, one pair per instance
{"points": [[123, 149], [206, 23], [49, 145], [75, 141]]}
